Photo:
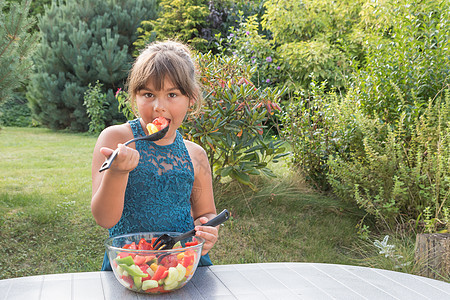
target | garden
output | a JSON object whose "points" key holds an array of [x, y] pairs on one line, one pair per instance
{"points": [[327, 125]]}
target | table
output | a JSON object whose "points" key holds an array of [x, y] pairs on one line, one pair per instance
{"points": [[241, 281]]}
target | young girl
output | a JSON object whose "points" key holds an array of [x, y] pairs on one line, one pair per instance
{"points": [[155, 186]]}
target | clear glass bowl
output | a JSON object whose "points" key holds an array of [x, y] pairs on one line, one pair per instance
{"points": [[151, 271]]}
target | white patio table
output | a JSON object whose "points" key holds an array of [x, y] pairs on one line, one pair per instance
{"points": [[241, 281]]}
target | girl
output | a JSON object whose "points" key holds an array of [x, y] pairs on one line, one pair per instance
{"points": [[155, 186]]}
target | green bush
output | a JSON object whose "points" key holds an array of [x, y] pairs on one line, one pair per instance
{"points": [[82, 42], [407, 52], [308, 127], [225, 16], [16, 45], [180, 19], [14, 111], [385, 144], [315, 37], [392, 172], [231, 125], [254, 48], [401, 169], [95, 102], [199, 23]]}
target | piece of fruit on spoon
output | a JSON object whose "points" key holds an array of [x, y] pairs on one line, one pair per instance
{"points": [[157, 124]]}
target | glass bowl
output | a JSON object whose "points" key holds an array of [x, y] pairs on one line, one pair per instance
{"points": [[153, 271]]}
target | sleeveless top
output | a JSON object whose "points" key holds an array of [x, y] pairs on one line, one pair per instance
{"points": [[157, 196]]}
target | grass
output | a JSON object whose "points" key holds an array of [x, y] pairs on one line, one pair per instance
{"points": [[46, 225], [45, 221]]}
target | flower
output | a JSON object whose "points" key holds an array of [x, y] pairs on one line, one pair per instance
{"points": [[118, 91], [278, 67], [267, 80], [247, 32], [269, 59]]}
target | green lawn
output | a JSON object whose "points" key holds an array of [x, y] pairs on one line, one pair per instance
{"points": [[46, 225]]}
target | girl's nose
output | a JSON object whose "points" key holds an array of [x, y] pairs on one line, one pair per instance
{"points": [[159, 104]]}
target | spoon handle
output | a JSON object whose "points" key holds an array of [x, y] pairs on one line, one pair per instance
{"points": [[108, 162], [219, 219]]}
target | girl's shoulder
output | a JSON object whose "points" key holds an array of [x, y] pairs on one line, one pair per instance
{"points": [[199, 158], [197, 153], [194, 149], [115, 134]]}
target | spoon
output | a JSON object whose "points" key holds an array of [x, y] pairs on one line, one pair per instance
{"points": [[165, 241], [152, 137]]}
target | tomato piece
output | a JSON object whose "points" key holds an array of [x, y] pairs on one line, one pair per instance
{"points": [[160, 122], [187, 260], [144, 245], [130, 246], [159, 273], [124, 254], [169, 261], [129, 280], [139, 259], [144, 268], [189, 244], [149, 259]]}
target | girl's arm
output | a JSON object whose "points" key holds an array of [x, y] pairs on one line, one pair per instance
{"points": [[108, 187], [202, 197]]}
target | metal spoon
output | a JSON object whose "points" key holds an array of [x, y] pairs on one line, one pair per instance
{"points": [[152, 137]]}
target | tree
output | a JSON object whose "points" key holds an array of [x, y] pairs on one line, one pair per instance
{"points": [[317, 38], [407, 60], [16, 45], [179, 19], [82, 42]]}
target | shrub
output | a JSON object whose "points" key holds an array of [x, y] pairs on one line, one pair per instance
{"points": [[16, 45], [393, 171], [179, 19], [199, 23], [231, 125], [14, 111], [257, 50], [82, 42], [95, 102], [407, 52], [401, 169], [307, 126], [315, 37], [225, 16]]}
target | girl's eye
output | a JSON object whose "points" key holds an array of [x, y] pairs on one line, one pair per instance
{"points": [[172, 95], [148, 95]]}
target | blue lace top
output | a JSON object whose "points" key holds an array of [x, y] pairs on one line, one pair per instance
{"points": [[157, 196]]}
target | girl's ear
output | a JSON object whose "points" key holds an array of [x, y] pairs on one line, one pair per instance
{"points": [[192, 102]]}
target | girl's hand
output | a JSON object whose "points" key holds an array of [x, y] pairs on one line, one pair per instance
{"points": [[209, 233], [127, 159]]}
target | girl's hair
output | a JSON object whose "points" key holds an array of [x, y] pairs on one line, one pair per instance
{"points": [[161, 60]]}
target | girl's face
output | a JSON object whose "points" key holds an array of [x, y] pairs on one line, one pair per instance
{"points": [[168, 102]]}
